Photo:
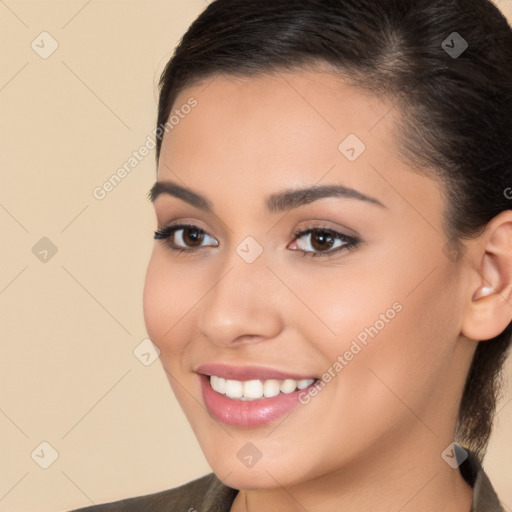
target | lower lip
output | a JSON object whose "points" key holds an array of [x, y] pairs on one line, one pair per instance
{"points": [[247, 413]]}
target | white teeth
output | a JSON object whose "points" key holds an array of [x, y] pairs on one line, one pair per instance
{"points": [[218, 384], [234, 388], [271, 388], [304, 383], [288, 386], [254, 389]]}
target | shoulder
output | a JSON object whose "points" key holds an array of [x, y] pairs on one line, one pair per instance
{"points": [[203, 494]]}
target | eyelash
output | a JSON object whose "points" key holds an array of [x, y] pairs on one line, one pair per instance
{"points": [[166, 232]]}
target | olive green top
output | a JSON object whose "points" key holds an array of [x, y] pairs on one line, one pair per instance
{"points": [[209, 494]]}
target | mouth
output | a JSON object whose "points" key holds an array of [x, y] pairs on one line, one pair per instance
{"points": [[256, 389], [248, 401]]}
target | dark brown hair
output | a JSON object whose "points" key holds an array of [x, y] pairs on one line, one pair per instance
{"points": [[455, 109]]}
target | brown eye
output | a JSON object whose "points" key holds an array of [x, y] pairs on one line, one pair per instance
{"points": [[321, 240], [192, 236], [184, 237]]}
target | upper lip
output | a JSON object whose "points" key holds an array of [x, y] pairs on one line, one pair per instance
{"points": [[247, 372]]}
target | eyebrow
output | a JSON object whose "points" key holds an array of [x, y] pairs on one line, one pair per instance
{"points": [[279, 202]]}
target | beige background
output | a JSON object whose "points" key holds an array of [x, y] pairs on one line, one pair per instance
{"points": [[69, 326]]}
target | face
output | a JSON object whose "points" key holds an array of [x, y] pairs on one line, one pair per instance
{"points": [[349, 286]]}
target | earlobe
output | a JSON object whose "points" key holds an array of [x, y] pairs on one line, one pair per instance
{"points": [[490, 308]]}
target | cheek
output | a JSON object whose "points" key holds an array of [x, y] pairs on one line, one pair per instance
{"points": [[169, 298], [397, 318], [409, 356], [340, 303]]}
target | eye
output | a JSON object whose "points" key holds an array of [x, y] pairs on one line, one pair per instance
{"points": [[323, 241], [183, 237]]}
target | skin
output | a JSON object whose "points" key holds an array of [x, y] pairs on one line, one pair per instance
{"points": [[372, 438]]}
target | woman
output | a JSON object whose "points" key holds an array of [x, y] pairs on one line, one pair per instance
{"points": [[331, 283]]}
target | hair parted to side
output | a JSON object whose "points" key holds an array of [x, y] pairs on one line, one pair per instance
{"points": [[455, 119]]}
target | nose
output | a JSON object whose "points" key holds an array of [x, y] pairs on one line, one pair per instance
{"points": [[242, 306]]}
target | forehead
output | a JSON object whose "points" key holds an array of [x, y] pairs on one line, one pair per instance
{"points": [[295, 106], [258, 118], [259, 134]]}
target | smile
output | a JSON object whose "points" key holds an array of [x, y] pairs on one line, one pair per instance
{"points": [[251, 403], [255, 389]]}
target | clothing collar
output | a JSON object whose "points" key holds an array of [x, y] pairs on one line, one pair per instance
{"points": [[485, 498]]}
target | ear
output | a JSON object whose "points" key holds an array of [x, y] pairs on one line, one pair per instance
{"points": [[490, 299]]}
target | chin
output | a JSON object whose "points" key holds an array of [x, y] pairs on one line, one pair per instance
{"points": [[251, 478]]}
